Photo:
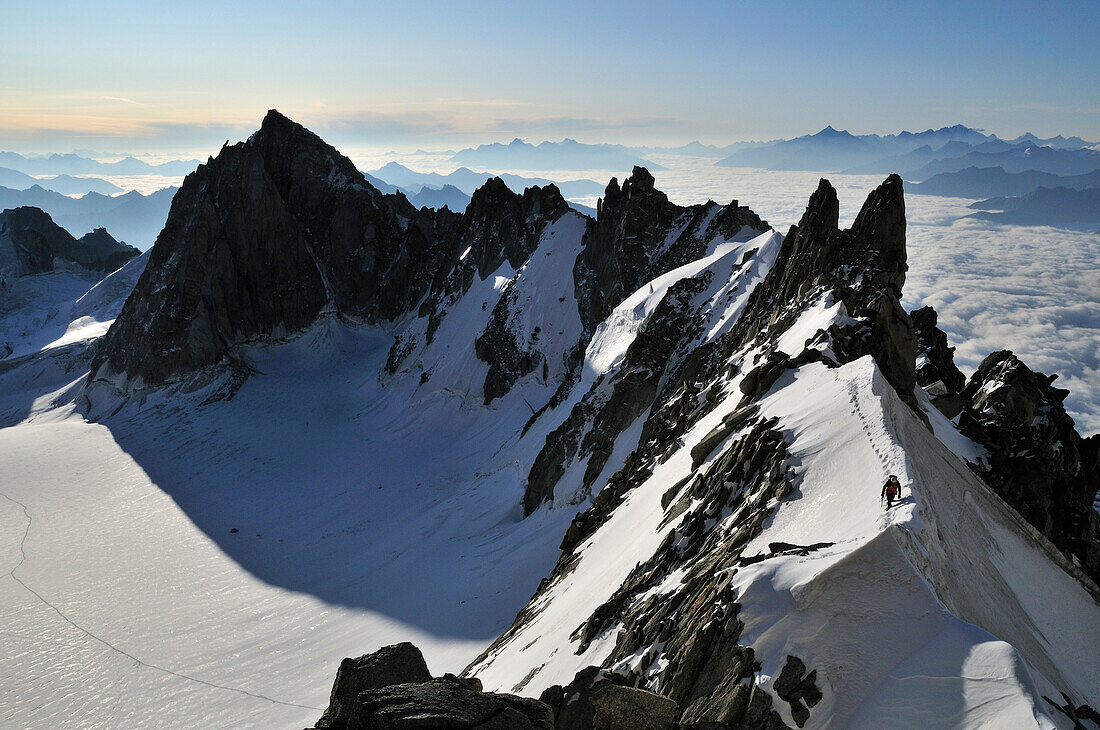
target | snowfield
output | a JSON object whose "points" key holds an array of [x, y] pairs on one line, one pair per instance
{"points": [[206, 553]]}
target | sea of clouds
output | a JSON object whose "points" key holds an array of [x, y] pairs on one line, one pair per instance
{"points": [[1033, 290]]}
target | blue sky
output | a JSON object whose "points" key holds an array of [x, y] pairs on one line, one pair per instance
{"points": [[186, 76]]}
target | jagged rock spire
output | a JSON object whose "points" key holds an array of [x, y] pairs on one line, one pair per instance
{"points": [[863, 266]]}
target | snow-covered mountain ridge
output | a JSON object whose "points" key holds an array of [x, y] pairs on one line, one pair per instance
{"points": [[408, 408]]}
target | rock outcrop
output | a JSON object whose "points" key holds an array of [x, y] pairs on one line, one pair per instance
{"points": [[936, 371], [600, 699], [447, 703], [392, 689], [99, 251], [639, 235], [31, 243], [1037, 461]]}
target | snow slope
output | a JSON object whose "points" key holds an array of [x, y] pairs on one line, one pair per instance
{"points": [[253, 543], [61, 307]]}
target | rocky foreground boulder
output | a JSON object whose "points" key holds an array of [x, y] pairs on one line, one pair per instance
{"points": [[446, 703], [392, 689], [597, 698], [395, 664]]}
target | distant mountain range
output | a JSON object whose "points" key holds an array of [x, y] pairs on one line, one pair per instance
{"points": [[988, 182], [1017, 159], [14, 179], [132, 217], [73, 164], [64, 184], [568, 154], [1044, 207], [918, 155], [436, 198], [75, 185]]}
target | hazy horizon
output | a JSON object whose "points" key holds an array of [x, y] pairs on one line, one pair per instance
{"points": [[126, 77], [125, 149]]}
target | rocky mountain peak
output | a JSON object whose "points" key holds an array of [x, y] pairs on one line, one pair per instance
{"points": [[627, 245], [31, 243], [501, 225], [258, 241], [818, 227], [880, 225], [640, 182]]}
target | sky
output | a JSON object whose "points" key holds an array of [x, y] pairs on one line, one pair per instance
{"points": [[123, 75]]}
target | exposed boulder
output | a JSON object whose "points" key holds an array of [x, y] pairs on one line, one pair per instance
{"points": [[798, 688], [395, 664], [392, 689], [1037, 461], [600, 700]]}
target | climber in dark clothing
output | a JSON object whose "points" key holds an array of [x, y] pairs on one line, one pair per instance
{"points": [[891, 490]]}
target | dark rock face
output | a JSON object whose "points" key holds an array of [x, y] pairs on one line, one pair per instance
{"points": [[447, 703], [258, 241], [31, 243], [102, 252], [395, 664], [600, 699], [1037, 461], [594, 423], [936, 371], [863, 267]]}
